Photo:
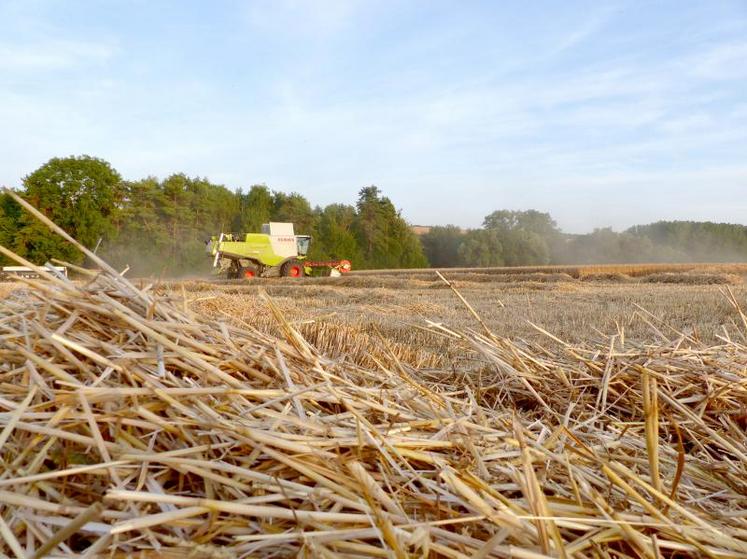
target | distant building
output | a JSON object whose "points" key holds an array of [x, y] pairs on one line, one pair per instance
{"points": [[420, 229], [425, 229]]}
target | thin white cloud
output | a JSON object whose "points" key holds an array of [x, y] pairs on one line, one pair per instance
{"points": [[51, 54], [688, 123], [588, 28], [315, 18], [726, 61], [739, 112]]}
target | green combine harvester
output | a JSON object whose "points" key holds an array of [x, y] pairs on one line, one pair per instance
{"points": [[275, 252]]}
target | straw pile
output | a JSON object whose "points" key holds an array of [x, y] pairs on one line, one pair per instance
{"points": [[131, 427]]}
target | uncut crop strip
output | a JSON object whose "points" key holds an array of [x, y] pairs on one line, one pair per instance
{"points": [[632, 270], [131, 425]]}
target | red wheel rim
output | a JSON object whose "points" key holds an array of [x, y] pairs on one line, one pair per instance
{"points": [[248, 274], [295, 271]]}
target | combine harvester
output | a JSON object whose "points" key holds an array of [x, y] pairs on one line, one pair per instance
{"points": [[275, 252]]}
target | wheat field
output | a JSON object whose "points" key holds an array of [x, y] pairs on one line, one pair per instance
{"points": [[350, 314], [530, 414]]}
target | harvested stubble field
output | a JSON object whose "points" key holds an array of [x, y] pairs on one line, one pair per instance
{"points": [[194, 420], [346, 316]]}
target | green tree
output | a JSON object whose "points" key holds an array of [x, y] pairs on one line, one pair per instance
{"points": [[83, 195], [179, 218], [164, 225], [255, 208], [482, 247], [441, 245], [407, 243], [698, 241], [530, 220], [213, 206], [526, 236], [142, 233], [605, 246], [524, 248], [294, 208], [384, 237], [334, 237], [10, 213], [371, 224]]}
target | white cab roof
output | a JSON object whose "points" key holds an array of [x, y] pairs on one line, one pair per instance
{"points": [[275, 228]]}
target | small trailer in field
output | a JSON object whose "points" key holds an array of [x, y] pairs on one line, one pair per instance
{"points": [[8, 273], [276, 251]]}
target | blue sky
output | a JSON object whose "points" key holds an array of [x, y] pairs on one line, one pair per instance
{"points": [[601, 113]]}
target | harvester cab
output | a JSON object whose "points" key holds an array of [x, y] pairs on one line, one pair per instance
{"points": [[276, 251]]}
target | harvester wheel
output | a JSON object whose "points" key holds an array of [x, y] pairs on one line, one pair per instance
{"points": [[292, 269], [248, 272], [233, 271]]}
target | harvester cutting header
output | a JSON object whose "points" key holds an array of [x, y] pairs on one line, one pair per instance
{"points": [[276, 251]]}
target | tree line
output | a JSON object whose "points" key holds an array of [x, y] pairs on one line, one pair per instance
{"points": [[532, 238], [161, 226]]}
